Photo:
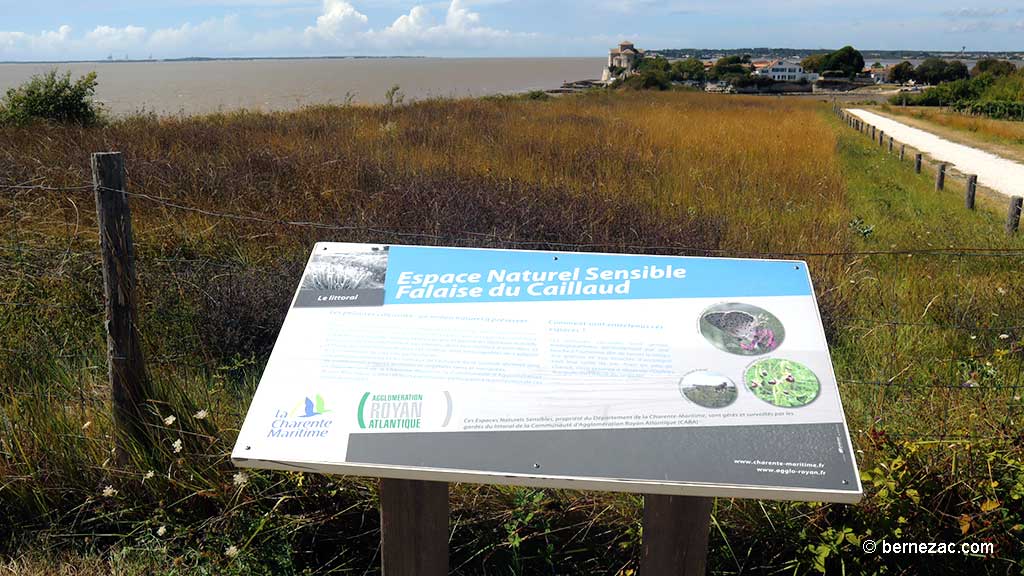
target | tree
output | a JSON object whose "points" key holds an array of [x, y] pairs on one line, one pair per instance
{"points": [[847, 60], [730, 67], [657, 63], [902, 73], [814, 63], [690, 69], [993, 66], [956, 70], [935, 71], [931, 71]]}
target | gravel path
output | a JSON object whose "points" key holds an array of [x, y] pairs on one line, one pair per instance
{"points": [[995, 172]]}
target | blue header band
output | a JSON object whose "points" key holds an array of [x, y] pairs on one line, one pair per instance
{"points": [[431, 275]]}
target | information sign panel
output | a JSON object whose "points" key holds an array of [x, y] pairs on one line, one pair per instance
{"points": [[652, 374]]}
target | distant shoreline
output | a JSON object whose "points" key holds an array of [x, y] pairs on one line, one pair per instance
{"points": [[668, 52]]}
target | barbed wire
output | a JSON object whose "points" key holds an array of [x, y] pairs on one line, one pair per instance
{"points": [[469, 235], [44, 188], [913, 385], [872, 323]]}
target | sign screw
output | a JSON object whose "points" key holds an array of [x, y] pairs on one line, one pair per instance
{"points": [[536, 465]]}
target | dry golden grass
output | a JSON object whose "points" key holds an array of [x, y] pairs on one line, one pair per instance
{"points": [[639, 172]]}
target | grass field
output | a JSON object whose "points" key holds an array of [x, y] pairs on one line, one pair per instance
{"points": [[1003, 137], [926, 336]]}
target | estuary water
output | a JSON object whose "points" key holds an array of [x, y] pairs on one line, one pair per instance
{"points": [[196, 87]]}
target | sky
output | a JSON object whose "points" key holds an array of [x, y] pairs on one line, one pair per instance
{"points": [[74, 30]]}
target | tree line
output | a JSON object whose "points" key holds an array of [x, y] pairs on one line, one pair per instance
{"points": [[992, 87]]}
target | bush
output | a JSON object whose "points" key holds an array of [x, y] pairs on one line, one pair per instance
{"points": [[647, 80], [999, 110], [999, 97], [53, 97]]}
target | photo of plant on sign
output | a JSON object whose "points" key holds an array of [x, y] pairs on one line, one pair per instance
{"points": [[741, 329], [784, 383]]}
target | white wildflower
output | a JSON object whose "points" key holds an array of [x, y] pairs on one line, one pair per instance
{"points": [[148, 475], [161, 531], [169, 420], [231, 551], [1004, 336], [177, 445], [1001, 290], [240, 479], [201, 415], [109, 492]]}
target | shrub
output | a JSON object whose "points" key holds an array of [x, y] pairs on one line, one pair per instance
{"points": [[52, 96], [647, 80]]}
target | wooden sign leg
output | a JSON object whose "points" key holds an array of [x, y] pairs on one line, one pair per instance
{"points": [[675, 540], [413, 527]]}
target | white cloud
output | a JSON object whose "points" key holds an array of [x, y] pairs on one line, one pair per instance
{"points": [[47, 44], [222, 35], [415, 21], [110, 38], [461, 27], [339, 18], [975, 12], [339, 28]]}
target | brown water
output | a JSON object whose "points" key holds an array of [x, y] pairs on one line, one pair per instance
{"points": [[198, 87]]}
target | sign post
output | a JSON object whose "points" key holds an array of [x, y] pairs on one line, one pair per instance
{"points": [[675, 538], [413, 527], [679, 378]]}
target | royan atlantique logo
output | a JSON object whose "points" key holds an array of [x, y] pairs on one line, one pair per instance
{"points": [[403, 411], [306, 420]]}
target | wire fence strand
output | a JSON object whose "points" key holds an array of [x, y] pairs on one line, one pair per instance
{"points": [[470, 236]]}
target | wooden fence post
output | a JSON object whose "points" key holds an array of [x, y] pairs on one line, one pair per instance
{"points": [[413, 527], [129, 382], [881, 137], [972, 189], [891, 144], [918, 159], [675, 537], [1013, 217], [940, 177], [903, 151]]}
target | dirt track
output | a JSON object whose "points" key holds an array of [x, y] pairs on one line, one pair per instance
{"points": [[994, 172]]}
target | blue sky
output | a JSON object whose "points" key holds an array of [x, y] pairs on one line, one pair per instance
{"points": [[66, 29]]}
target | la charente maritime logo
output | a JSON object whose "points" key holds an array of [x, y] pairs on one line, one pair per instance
{"points": [[308, 419]]}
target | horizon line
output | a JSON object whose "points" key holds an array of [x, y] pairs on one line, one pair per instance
{"points": [[1019, 53]]}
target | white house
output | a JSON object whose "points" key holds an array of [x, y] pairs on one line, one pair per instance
{"points": [[782, 71]]}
